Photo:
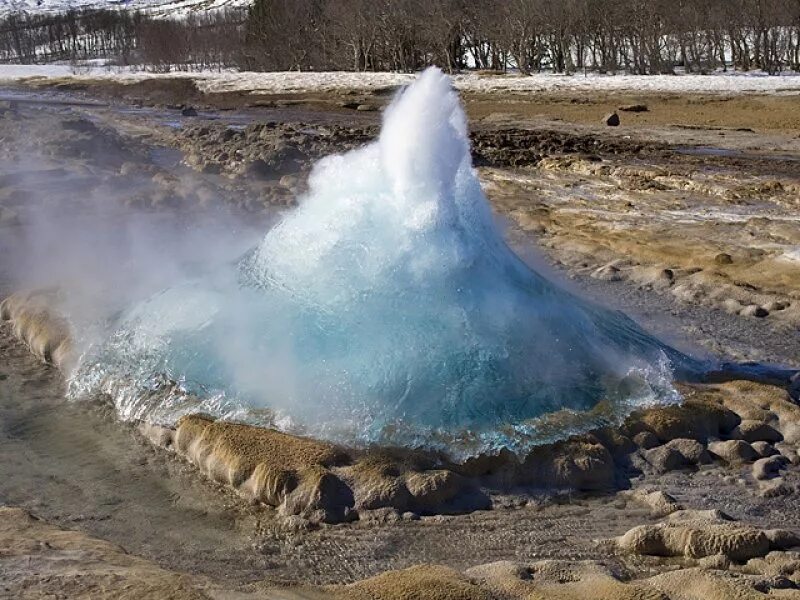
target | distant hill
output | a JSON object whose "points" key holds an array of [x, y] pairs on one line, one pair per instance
{"points": [[157, 8]]}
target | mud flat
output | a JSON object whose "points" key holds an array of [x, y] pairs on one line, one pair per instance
{"points": [[241, 508]]}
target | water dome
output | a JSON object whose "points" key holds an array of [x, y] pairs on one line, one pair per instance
{"points": [[386, 308]]}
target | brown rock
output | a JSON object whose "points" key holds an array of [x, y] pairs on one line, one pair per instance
{"points": [[764, 449], [676, 454], [696, 538], [35, 320], [380, 491], [733, 451], [775, 488], [433, 489], [610, 437], [723, 259], [782, 539], [264, 465], [646, 440], [607, 273], [576, 464], [753, 310], [776, 305], [157, 435], [256, 167], [702, 584], [756, 431], [423, 582], [377, 482], [320, 496], [789, 451], [660, 503], [732, 306], [57, 563], [700, 417], [502, 467], [767, 468], [559, 580], [269, 484], [234, 450]]}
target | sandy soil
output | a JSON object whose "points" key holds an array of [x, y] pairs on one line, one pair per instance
{"points": [[611, 224]]}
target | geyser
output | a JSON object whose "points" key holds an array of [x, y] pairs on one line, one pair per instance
{"points": [[386, 308]]}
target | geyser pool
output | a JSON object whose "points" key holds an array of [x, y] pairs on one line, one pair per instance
{"points": [[386, 308]]}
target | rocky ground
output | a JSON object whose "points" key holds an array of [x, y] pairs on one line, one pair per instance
{"points": [[723, 558], [693, 232], [700, 235]]}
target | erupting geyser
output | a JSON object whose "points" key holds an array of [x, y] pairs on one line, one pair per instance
{"points": [[386, 308]]}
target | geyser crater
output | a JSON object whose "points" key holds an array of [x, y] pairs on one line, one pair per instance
{"points": [[385, 309]]}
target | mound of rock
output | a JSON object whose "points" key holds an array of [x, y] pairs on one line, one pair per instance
{"points": [[269, 149], [42, 561], [691, 535], [312, 479], [263, 465], [266, 150], [317, 481], [502, 147], [561, 580], [660, 503], [701, 417], [423, 582], [733, 451], [579, 580], [35, 321]]}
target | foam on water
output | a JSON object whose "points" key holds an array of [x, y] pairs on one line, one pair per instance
{"points": [[386, 308]]}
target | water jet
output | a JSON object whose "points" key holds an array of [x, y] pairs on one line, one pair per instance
{"points": [[386, 309]]}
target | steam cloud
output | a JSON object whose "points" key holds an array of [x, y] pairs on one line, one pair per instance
{"points": [[385, 309]]}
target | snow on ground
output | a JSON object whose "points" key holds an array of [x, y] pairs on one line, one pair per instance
{"points": [[283, 82], [157, 8]]}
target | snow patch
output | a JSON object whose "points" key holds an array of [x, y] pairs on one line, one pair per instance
{"points": [[155, 8], [283, 82]]}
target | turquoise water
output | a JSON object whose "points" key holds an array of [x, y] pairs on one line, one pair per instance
{"points": [[386, 308]]}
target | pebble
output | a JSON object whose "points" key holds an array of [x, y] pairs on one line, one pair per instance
{"points": [[723, 258], [768, 468], [753, 310]]}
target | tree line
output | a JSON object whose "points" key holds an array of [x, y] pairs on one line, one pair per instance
{"points": [[212, 39], [75, 34], [565, 36]]}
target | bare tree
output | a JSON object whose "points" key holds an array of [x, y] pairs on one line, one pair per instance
{"points": [[608, 36]]}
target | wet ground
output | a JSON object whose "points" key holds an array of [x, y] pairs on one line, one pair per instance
{"points": [[76, 466]]}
